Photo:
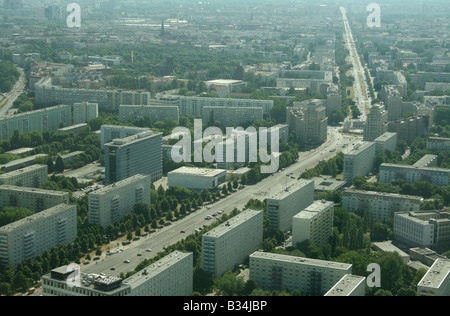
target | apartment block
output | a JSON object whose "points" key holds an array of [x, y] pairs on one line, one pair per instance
{"points": [[314, 223], [84, 112], [230, 243], [376, 123], [282, 206], [19, 163], [416, 172], [153, 112], [438, 143], [310, 276], [381, 205], [137, 154], [436, 282], [110, 132], [387, 141], [111, 203], [107, 100], [32, 177], [31, 236], [349, 285], [35, 200], [231, 116], [172, 275], [359, 162], [423, 228], [48, 119], [409, 129]]}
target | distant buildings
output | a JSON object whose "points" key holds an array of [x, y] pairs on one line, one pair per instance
{"points": [[31, 236], [438, 143], [310, 276], [232, 242], [197, 178], [282, 206], [153, 112], [409, 129], [359, 162], [314, 223], [232, 116], [137, 154], [381, 205], [113, 202]]}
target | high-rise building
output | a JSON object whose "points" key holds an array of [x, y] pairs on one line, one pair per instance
{"points": [[84, 112], [282, 206], [231, 116], [411, 128], [309, 122], [111, 203], [359, 162], [137, 154], [387, 141], [110, 132], [376, 124], [232, 242], [31, 236], [314, 223], [35, 200], [281, 272]]}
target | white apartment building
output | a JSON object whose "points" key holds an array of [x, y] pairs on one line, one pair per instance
{"points": [[349, 285], [172, 275], [381, 205], [153, 112], [32, 177], [33, 199], [387, 141], [33, 235], [231, 116], [281, 272], [359, 162], [314, 223], [84, 112], [422, 228], [282, 206], [196, 178], [436, 176], [436, 282], [110, 132], [232, 242], [111, 203], [438, 143]]}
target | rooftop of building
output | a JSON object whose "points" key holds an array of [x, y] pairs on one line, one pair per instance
{"points": [[20, 151], [385, 137], [33, 190], [425, 161], [120, 184], [360, 148], [22, 160], [301, 260], [201, 172], [231, 223], [21, 171], [384, 194], [36, 217], [156, 268], [392, 165], [324, 183], [119, 142], [72, 127], [346, 285], [436, 274], [290, 189], [314, 209]]}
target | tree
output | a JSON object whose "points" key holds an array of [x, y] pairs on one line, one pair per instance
{"points": [[59, 165]]}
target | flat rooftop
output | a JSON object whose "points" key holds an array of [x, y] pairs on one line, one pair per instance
{"points": [[20, 151], [132, 139], [327, 184], [36, 217], [120, 184], [385, 137], [290, 189], [301, 260], [156, 268], [20, 171], [199, 172], [346, 285], [21, 161], [360, 148], [436, 274], [232, 223], [33, 190], [314, 209], [384, 194]]}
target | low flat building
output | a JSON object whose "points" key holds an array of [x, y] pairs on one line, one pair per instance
{"points": [[197, 178], [436, 282]]}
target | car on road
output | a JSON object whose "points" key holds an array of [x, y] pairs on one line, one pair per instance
{"points": [[126, 261], [113, 269], [148, 250], [182, 232]]}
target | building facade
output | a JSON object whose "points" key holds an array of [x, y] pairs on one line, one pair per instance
{"points": [[196, 178], [154, 113], [359, 162], [32, 177], [436, 282], [84, 112]]}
